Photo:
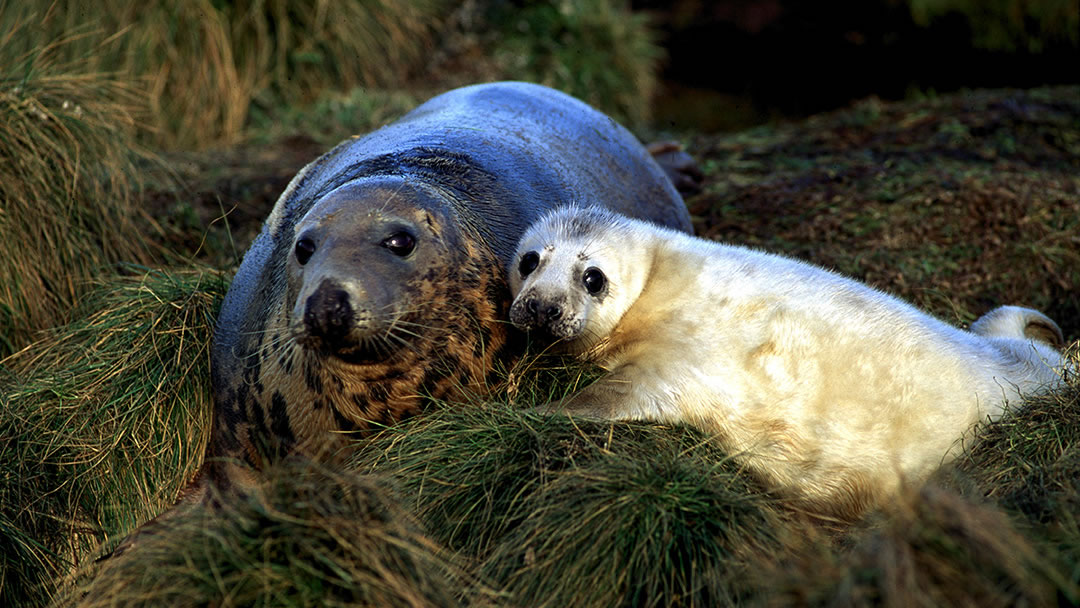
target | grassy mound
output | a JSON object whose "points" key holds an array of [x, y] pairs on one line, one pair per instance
{"points": [[522, 509], [999, 528], [931, 547], [557, 512], [484, 503], [1030, 464], [67, 176], [312, 538], [208, 68], [203, 64], [103, 420]]}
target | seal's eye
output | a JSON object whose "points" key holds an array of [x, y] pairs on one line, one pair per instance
{"points": [[305, 248], [400, 243], [594, 280], [528, 263]]}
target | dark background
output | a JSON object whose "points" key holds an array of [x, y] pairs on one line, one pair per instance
{"points": [[769, 58]]}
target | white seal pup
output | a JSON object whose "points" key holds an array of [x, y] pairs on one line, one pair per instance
{"points": [[832, 392]]}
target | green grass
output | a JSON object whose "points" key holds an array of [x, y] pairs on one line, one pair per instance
{"points": [[68, 177], [487, 504], [313, 538], [596, 50], [957, 203], [1008, 25], [102, 422], [211, 71]]}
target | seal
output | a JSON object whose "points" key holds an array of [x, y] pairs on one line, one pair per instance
{"points": [[377, 280], [830, 391]]}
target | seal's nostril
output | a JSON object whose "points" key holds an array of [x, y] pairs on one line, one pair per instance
{"points": [[553, 312], [530, 305]]}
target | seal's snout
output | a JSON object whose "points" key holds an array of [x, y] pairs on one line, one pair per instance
{"points": [[542, 312], [533, 312], [328, 315]]}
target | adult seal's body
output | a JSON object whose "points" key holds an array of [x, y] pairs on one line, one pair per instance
{"points": [[829, 390], [378, 278]]}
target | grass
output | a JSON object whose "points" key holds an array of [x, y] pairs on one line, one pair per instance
{"points": [[889, 194], [102, 422], [1007, 24], [559, 513], [68, 177], [490, 505], [210, 71], [204, 65], [957, 203], [313, 538], [596, 50]]}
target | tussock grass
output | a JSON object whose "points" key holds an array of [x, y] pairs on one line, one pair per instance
{"points": [[202, 64], [930, 547], [648, 525], [209, 70], [67, 176], [102, 421], [333, 116], [1029, 462], [561, 512], [300, 47], [312, 537], [108, 418]]}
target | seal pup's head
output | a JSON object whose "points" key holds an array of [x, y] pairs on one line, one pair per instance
{"points": [[362, 261], [575, 274]]}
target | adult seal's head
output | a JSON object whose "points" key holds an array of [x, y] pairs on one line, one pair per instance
{"points": [[359, 275], [378, 280]]}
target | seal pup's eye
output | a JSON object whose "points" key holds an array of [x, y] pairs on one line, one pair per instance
{"points": [[305, 248], [529, 262], [594, 280], [400, 243]]}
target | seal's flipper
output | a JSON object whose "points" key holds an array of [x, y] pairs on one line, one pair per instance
{"points": [[679, 166]]}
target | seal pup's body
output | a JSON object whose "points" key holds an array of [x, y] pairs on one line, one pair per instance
{"points": [[828, 389]]}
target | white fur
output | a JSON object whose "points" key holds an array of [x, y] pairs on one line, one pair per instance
{"points": [[825, 387]]}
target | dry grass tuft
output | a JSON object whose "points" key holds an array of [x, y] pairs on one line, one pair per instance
{"points": [[67, 176], [559, 512], [103, 421], [312, 537], [202, 64]]}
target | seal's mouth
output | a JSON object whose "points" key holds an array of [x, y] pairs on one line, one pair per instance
{"points": [[366, 352]]}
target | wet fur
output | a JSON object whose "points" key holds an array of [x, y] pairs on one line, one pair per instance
{"points": [[831, 391]]}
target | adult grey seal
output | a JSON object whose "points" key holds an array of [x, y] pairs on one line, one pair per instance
{"points": [[377, 280]]}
